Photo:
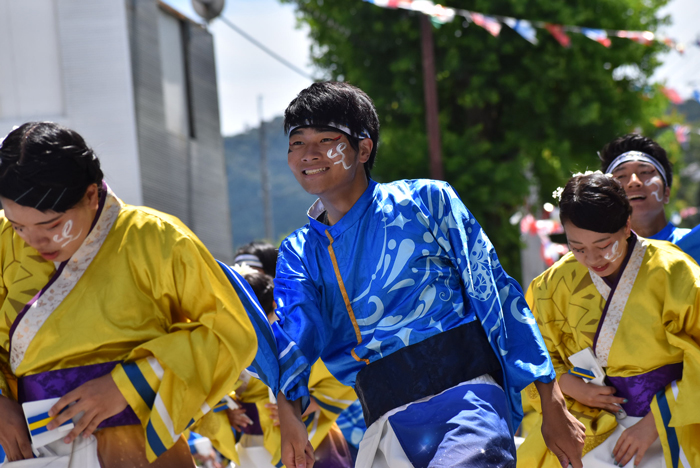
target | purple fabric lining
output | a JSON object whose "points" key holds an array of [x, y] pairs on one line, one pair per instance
{"points": [[630, 247], [56, 383], [56, 275], [251, 410], [640, 389]]}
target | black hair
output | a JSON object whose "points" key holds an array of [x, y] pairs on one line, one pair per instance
{"points": [[635, 142], [595, 202], [342, 103], [46, 166], [266, 253], [263, 287]]}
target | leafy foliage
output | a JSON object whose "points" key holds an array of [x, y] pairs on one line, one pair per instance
{"points": [[507, 108]]}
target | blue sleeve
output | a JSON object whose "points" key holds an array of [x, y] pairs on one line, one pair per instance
{"points": [[265, 366], [303, 332], [495, 297], [690, 243]]}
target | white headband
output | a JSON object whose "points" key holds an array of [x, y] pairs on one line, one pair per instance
{"points": [[637, 156], [343, 128], [248, 259]]}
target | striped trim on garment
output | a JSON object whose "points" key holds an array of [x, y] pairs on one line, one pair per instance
{"points": [[678, 457]]}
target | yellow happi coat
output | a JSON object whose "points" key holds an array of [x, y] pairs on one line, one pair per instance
{"points": [[658, 325], [332, 397], [141, 289]]}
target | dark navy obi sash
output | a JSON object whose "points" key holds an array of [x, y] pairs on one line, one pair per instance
{"points": [[640, 389], [56, 383]]}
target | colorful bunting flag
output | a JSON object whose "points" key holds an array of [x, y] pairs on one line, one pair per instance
{"points": [[558, 32], [672, 95], [486, 22], [597, 35], [643, 37], [682, 133], [524, 28], [696, 94]]}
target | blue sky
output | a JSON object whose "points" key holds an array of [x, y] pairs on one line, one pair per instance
{"points": [[245, 72]]}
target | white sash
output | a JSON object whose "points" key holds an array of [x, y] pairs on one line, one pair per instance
{"points": [[65, 278], [615, 306]]}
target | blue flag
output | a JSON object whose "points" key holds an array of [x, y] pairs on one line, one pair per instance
{"points": [[524, 28]]}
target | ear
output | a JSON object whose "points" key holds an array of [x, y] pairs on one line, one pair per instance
{"points": [[365, 151], [667, 195], [92, 196], [628, 227]]}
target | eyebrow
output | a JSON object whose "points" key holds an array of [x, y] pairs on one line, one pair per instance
{"points": [[640, 162], [316, 130], [37, 224], [594, 242]]}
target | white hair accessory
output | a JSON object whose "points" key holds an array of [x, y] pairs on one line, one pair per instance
{"points": [[557, 193]]}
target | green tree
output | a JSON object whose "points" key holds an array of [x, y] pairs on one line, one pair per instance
{"points": [[507, 107]]}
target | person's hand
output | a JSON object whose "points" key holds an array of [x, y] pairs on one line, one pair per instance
{"points": [[273, 410], [635, 441], [97, 399], [238, 419], [591, 395], [563, 434], [296, 448], [14, 435]]}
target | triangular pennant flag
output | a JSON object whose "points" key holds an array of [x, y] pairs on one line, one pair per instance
{"points": [[672, 95], [696, 95], [488, 23], [524, 28], [558, 32], [597, 35]]}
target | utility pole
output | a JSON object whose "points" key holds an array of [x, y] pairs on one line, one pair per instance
{"points": [[264, 176], [431, 100]]}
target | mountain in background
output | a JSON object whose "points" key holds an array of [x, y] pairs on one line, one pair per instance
{"points": [[289, 201]]}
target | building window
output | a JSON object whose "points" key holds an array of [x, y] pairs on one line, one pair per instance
{"points": [[173, 61]]}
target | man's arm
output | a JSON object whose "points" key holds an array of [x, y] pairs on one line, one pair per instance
{"points": [[562, 432], [296, 447]]}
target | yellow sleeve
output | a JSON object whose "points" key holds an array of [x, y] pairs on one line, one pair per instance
{"points": [[7, 378], [332, 397], [675, 409], [176, 378]]}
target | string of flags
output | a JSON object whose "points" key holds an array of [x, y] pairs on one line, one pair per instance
{"points": [[528, 28]]}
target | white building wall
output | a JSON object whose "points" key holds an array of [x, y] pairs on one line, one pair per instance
{"points": [[70, 63]]}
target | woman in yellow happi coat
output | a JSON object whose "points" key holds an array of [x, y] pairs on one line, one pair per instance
{"points": [[119, 310], [634, 303]]}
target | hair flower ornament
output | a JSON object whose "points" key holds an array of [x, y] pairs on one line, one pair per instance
{"points": [[557, 193]]}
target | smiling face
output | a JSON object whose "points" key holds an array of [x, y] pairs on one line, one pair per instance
{"points": [[601, 252], [326, 165], [647, 194], [56, 236]]}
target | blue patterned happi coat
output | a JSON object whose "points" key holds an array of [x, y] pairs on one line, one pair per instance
{"points": [[407, 262]]}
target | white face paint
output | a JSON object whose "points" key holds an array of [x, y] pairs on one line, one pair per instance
{"points": [[655, 181], [66, 234], [339, 152], [614, 253]]}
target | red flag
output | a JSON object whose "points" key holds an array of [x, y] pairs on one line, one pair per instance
{"points": [[558, 32], [490, 24], [672, 95]]}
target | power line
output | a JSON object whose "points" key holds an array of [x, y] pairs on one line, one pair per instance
{"points": [[269, 52]]}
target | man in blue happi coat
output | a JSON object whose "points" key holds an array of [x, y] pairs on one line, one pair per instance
{"points": [[400, 292]]}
